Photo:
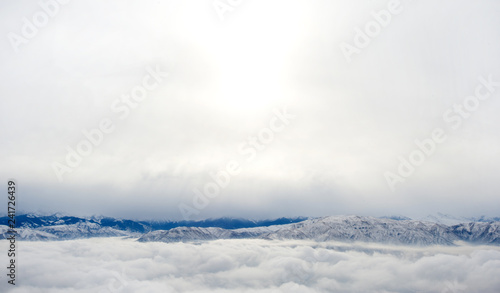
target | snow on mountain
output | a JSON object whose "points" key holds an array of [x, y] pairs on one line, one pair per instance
{"points": [[478, 232], [394, 229], [346, 228], [368, 229], [186, 234], [445, 219], [64, 232], [84, 230], [61, 226], [26, 234], [450, 220], [396, 217], [200, 233]]}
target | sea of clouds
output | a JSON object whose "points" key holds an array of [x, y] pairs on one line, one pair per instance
{"points": [[110, 265]]}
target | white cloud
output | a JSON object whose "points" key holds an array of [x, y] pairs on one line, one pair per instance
{"points": [[117, 265]]}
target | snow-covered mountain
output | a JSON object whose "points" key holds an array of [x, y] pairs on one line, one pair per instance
{"points": [[200, 233], [394, 229], [64, 232], [60, 227], [478, 232], [450, 220], [347, 228], [368, 229]]}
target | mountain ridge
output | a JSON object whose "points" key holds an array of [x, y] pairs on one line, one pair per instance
{"points": [[347, 229], [61, 226], [393, 229]]}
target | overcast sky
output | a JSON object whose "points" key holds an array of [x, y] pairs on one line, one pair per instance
{"points": [[352, 94]]}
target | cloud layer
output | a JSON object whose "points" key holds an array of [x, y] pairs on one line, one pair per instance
{"points": [[353, 119], [117, 265]]}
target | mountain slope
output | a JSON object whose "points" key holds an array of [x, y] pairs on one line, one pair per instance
{"points": [[368, 229], [488, 233], [450, 220], [201, 233], [60, 227], [346, 228], [395, 230]]}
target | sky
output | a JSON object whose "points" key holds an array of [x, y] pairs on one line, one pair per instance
{"points": [[107, 265], [256, 109]]}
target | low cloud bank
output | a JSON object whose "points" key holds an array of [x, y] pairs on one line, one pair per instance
{"points": [[124, 265]]}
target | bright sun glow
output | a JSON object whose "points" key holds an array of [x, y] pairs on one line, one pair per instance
{"points": [[252, 56]]}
